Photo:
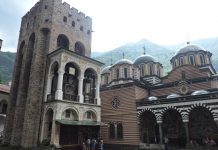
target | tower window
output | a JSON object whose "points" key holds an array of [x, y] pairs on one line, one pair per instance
{"points": [[125, 72], [81, 28], [191, 60], [142, 69], [46, 6], [118, 73], [175, 63], [151, 69], [63, 41], [202, 60], [119, 131], [181, 61], [73, 24], [65, 19], [88, 32]]}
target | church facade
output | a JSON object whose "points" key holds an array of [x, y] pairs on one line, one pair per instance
{"points": [[142, 107], [54, 96]]}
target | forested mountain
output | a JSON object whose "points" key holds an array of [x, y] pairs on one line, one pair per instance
{"points": [[163, 54], [133, 50], [6, 66]]}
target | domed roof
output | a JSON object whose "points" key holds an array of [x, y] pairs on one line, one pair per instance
{"points": [[123, 61], [144, 59], [199, 92], [152, 98], [106, 70], [189, 48], [174, 95]]}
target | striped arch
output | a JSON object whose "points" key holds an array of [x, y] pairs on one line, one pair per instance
{"points": [[214, 114], [168, 108], [139, 115]]}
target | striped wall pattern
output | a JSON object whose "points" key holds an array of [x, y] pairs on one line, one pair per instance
{"points": [[184, 108], [126, 114], [191, 72]]}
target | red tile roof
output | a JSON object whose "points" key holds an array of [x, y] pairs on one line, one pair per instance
{"points": [[4, 88]]}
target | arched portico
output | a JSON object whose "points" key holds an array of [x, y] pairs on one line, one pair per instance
{"points": [[149, 128], [173, 128], [202, 126]]}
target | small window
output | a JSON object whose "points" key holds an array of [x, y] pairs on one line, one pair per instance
{"points": [[133, 72], [181, 61], [151, 69], [202, 59], [88, 32], [65, 19], [88, 115], [125, 72], [175, 63], [142, 69], [73, 24], [119, 131], [106, 79], [191, 60], [67, 114], [81, 28], [112, 131], [118, 71], [46, 7]]}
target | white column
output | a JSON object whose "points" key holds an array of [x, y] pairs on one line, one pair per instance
{"points": [[80, 89], [55, 133], [97, 94], [59, 92], [49, 83]]}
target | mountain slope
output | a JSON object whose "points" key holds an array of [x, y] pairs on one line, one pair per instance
{"points": [[6, 66], [133, 50]]}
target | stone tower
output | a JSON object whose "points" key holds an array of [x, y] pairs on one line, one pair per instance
{"points": [[48, 26]]}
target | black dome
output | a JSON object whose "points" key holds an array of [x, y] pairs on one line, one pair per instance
{"points": [[123, 61], [189, 48], [144, 59]]}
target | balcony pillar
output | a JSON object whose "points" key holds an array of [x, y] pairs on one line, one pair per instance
{"points": [[59, 92]]}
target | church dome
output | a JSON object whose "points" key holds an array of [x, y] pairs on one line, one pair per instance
{"points": [[200, 92], [144, 59], [189, 48], [174, 95], [152, 98], [106, 70], [123, 61]]}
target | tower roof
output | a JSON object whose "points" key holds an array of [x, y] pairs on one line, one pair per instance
{"points": [[189, 48], [144, 59]]}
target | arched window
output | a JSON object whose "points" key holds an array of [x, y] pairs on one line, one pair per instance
{"points": [[119, 131], [142, 70], [202, 60], [79, 48], [125, 72], [106, 79], [70, 82], [118, 73], [191, 60], [65, 19], [112, 131], [63, 41], [175, 64], [73, 23], [151, 69], [181, 61]]}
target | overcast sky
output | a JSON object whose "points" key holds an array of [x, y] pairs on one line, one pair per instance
{"points": [[116, 22]]}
